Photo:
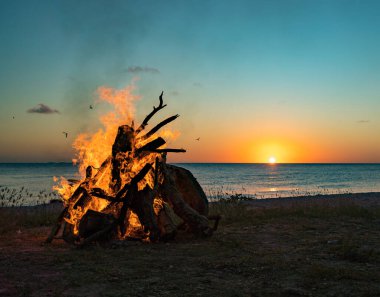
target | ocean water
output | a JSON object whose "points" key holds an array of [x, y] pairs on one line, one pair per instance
{"points": [[35, 181], [285, 180]]}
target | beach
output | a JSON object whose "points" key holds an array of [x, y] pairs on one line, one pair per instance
{"points": [[298, 246], [190, 148]]}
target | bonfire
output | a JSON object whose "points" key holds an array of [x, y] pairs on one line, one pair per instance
{"points": [[133, 193]]}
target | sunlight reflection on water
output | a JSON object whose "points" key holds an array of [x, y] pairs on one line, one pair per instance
{"points": [[223, 180]]}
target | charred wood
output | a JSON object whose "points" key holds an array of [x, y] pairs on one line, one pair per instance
{"points": [[130, 195], [124, 141], [152, 145], [149, 116], [102, 169], [142, 204], [68, 233], [55, 229], [158, 127], [93, 222], [168, 150]]}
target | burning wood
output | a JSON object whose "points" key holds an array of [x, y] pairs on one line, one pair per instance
{"points": [[134, 193]]}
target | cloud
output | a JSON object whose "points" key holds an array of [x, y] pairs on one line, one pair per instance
{"points": [[139, 69], [174, 93], [197, 84], [42, 108], [363, 121]]}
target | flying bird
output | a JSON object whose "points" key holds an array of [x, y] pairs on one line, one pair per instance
{"points": [[65, 134], [198, 139], [13, 117], [91, 107]]}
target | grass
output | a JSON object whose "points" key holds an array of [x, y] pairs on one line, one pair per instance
{"points": [[298, 248], [16, 218], [239, 210], [15, 197], [351, 250]]}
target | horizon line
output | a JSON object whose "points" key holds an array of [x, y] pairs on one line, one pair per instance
{"points": [[253, 163]]}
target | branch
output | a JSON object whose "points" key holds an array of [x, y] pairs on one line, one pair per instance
{"points": [[57, 226], [149, 116], [132, 190], [168, 150], [134, 180], [157, 127], [154, 144], [101, 170], [99, 193]]}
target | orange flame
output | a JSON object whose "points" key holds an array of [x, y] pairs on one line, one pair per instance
{"points": [[93, 149]]}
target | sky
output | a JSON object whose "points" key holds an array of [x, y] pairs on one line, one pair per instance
{"points": [[290, 79]]}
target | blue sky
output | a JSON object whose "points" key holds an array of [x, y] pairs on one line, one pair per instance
{"points": [[242, 74]]}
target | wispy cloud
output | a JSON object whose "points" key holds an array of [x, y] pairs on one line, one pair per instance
{"points": [[363, 121], [139, 69], [197, 84], [174, 93], [42, 108]]}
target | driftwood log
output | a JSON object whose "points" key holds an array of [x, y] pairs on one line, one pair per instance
{"points": [[191, 191]]}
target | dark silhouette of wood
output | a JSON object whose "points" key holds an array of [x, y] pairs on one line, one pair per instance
{"points": [[93, 222], [151, 146], [149, 116], [130, 194], [124, 142], [158, 127], [169, 150], [102, 169], [55, 229]]}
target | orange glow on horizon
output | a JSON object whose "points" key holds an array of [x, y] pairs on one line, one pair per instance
{"points": [[276, 151]]}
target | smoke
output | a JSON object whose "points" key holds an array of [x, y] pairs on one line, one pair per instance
{"points": [[101, 37], [139, 69], [174, 93], [42, 108]]}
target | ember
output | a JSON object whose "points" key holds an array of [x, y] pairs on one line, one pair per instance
{"points": [[134, 193]]}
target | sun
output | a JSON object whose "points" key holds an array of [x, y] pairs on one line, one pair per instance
{"points": [[272, 160]]}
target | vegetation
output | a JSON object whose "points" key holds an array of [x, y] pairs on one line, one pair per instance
{"points": [[15, 197], [300, 248]]}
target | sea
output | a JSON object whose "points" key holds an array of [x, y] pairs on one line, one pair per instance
{"points": [[31, 183]]}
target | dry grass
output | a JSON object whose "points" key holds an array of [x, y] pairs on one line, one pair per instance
{"points": [[15, 218], [299, 248]]}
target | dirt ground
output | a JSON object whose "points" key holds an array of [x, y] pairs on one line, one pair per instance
{"points": [[294, 248]]}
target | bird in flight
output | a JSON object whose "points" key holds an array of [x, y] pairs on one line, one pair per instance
{"points": [[65, 134], [91, 107], [13, 117], [198, 138]]}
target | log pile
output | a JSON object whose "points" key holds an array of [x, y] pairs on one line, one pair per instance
{"points": [[135, 194]]}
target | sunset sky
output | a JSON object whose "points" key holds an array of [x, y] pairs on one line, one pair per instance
{"points": [[296, 80]]}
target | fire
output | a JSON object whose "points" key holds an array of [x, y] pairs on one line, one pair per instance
{"points": [[126, 187], [93, 149]]}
